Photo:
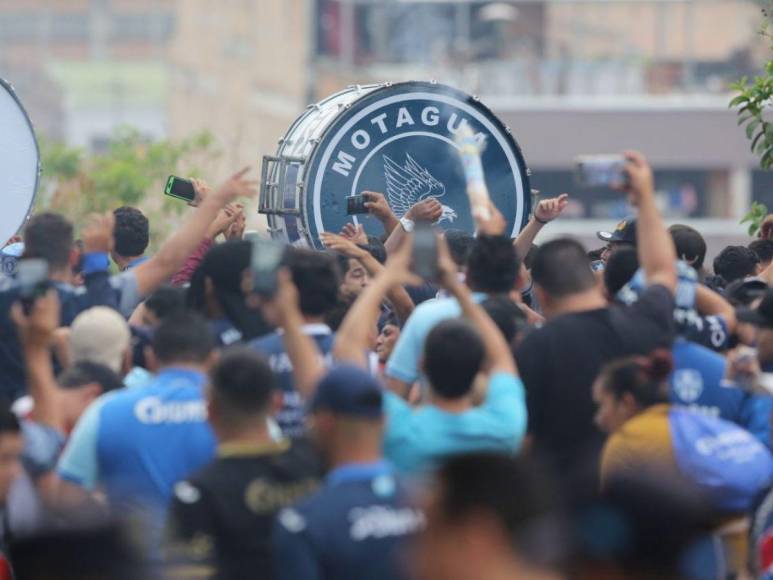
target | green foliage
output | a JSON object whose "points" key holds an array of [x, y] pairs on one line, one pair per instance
{"points": [[131, 171], [752, 100], [755, 217]]}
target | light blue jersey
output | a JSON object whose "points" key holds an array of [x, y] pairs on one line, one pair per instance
{"points": [[417, 439]]}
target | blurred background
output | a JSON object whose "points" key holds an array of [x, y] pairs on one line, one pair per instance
{"points": [[206, 87]]}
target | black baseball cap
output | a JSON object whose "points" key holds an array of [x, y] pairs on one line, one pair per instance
{"points": [[349, 390], [625, 233], [762, 315]]}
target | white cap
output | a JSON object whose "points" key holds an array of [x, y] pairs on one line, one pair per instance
{"points": [[100, 335]]}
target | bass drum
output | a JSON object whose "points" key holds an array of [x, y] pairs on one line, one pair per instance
{"points": [[19, 163], [397, 139]]}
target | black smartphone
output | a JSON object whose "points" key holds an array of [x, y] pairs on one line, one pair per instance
{"points": [[425, 251], [32, 279], [601, 171], [355, 204], [180, 188], [266, 257]]}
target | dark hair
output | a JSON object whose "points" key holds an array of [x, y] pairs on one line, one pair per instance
{"points": [[641, 376], [621, 266], [9, 422], [453, 355], [242, 379], [459, 245], [506, 314], [493, 265], [763, 249], [377, 249], [562, 268], [165, 301], [49, 236], [690, 245], [224, 264], [132, 232], [735, 262], [83, 373], [335, 316], [182, 337], [514, 491], [317, 277]]}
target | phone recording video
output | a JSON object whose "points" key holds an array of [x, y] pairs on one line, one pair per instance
{"points": [[601, 171], [355, 204], [425, 253], [265, 261], [32, 278], [180, 188]]}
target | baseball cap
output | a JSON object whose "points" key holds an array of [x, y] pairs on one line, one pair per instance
{"points": [[760, 316], [99, 335], [349, 390], [625, 232]]}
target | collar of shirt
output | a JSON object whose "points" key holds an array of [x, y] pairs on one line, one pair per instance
{"points": [[178, 373], [358, 472], [136, 262]]}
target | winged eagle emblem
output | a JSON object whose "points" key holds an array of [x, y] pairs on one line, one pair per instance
{"points": [[411, 183]]}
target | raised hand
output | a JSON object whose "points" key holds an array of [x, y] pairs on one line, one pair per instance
{"points": [[234, 188], [549, 209], [378, 206], [339, 243], [428, 210], [97, 234], [640, 180], [235, 230], [355, 233], [492, 225]]}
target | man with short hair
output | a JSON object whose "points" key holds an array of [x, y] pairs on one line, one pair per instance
{"points": [[690, 246], [490, 516], [137, 444], [131, 237], [736, 263], [316, 276], [764, 251], [560, 361], [221, 517], [358, 524], [624, 235], [493, 269]]}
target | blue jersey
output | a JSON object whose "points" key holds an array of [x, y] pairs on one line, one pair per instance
{"points": [[355, 527], [291, 417], [698, 383], [137, 444]]}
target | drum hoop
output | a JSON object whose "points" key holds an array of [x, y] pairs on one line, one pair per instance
{"points": [[8, 87], [432, 87]]}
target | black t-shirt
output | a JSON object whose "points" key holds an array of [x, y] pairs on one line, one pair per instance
{"points": [[220, 519], [560, 361]]}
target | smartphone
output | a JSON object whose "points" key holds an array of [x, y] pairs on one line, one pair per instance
{"points": [[601, 171], [180, 188], [32, 279], [266, 257], [425, 251], [355, 204]]}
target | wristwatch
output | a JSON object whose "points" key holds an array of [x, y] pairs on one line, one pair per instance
{"points": [[408, 224]]}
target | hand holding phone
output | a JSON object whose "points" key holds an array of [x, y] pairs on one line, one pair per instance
{"points": [[601, 171], [355, 204], [265, 261], [180, 188]]}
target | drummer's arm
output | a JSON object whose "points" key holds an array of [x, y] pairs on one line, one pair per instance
{"points": [[173, 253]]}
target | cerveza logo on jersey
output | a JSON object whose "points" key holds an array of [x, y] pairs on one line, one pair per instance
{"points": [[400, 142]]}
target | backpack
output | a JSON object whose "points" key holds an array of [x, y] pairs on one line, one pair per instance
{"points": [[725, 461]]}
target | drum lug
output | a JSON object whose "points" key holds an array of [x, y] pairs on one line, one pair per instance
{"points": [[507, 130], [275, 196]]}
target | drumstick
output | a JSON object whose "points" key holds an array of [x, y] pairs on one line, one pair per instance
{"points": [[469, 150]]}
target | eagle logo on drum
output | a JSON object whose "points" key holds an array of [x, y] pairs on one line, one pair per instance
{"points": [[410, 184]]}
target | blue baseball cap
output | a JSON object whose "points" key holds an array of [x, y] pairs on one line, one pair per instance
{"points": [[349, 390]]}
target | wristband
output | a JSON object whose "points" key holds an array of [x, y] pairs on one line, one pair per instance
{"points": [[95, 262], [539, 220], [408, 224]]}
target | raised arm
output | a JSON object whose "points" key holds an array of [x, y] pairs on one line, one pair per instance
{"points": [[181, 244], [429, 210], [657, 254], [709, 303], [546, 211], [499, 357], [36, 331], [352, 337], [400, 299]]}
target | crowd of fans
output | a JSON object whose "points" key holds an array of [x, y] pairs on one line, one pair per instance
{"points": [[534, 412]]}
